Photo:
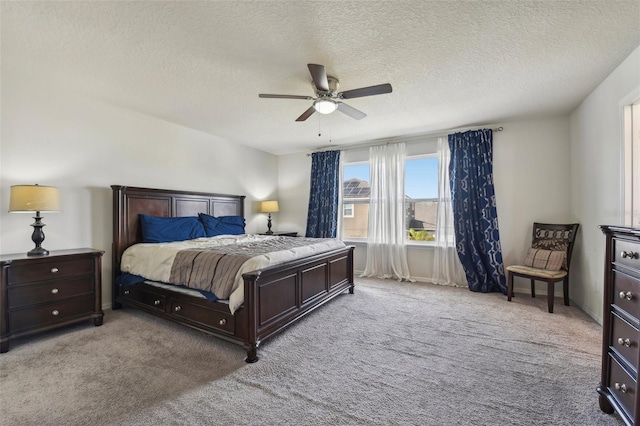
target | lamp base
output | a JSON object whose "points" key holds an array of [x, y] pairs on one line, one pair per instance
{"points": [[38, 251], [269, 231], [38, 237]]}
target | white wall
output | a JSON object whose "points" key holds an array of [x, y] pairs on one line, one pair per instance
{"points": [[531, 174], [596, 173], [83, 146]]}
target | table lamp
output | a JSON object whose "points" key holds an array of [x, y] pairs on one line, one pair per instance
{"points": [[35, 198], [269, 207]]}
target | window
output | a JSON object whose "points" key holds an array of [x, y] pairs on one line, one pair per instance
{"points": [[347, 210], [421, 198]]}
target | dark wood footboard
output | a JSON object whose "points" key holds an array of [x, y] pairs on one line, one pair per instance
{"points": [[274, 298], [278, 296]]}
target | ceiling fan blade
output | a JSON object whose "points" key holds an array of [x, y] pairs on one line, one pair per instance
{"points": [[306, 114], [366, 91], [319, 76], [263, 95], [351, 111]]}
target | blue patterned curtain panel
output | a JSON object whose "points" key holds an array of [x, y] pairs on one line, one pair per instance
{"points": [[474, 210], [322, 219]]}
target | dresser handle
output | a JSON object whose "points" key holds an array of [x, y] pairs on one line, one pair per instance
{"points": [[223, 321], [625, 342], [620, 387], [54, 270], [156, 302], [628, 295], [177, 308], [628, 254], [55, 312], [54, 290]]}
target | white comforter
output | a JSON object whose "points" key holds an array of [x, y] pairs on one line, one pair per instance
{"points": [[154, 261]]}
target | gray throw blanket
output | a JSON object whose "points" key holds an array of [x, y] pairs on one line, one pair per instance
{"points": [[215, 269]]}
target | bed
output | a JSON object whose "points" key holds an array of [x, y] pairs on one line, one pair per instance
{"points": [[273, 297]]}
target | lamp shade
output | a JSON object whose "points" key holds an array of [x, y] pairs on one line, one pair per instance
{"points": [[269, 207], [34, 198]]}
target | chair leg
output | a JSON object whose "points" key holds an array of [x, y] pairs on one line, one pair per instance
{"points": [[565, 285], [550, 287], [533, 288], [509, 286]]}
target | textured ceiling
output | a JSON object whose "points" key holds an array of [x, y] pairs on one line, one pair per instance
{"points": [[202, 64]]}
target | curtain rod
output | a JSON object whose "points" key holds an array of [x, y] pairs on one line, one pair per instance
{"points": [[392, 140]]}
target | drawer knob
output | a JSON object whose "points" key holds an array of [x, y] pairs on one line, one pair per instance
{"points": [[223, 321], [624, 342], [626, 295], [54, 270], [620, 387], [177, 308], [55, 313], [628, 254], [156, 302], [54, 291]]}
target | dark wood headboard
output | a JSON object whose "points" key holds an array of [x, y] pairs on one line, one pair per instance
{"points": [[129, 202]]}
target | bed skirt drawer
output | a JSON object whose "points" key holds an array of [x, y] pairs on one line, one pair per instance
{"points": [[148, 298], [222, 321]]}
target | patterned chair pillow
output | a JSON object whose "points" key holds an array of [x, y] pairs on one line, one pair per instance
{"points": [[553, 244], [551, 260]]}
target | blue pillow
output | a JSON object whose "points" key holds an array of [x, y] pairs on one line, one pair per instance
{"points": [[222, 225], [166, 229]]}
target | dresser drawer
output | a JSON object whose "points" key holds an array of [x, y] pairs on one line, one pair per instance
{"points": [[222, 321], [54, 269], [624, 339], [627, 253], [24, 319], [626, 293], [49, 291], [622, 386], [148, 298]]}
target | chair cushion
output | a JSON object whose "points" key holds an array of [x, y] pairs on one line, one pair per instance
{"points": [[534, 272], [556, 244], [550, 260]]}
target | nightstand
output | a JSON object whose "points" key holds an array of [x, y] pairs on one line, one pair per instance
{"points": [[47, 292], [281, 234]]}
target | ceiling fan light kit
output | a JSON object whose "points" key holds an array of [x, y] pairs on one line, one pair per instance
{"points": [[328, 99], [325, 106]]}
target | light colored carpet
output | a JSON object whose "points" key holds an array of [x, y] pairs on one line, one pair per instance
{"points": [[392, 353]]}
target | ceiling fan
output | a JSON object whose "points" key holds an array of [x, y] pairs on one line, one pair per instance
{"points": [[328, 99]]}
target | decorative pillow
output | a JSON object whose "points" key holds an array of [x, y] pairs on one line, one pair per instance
{"points": [[157, 229], [222, 225], [556, 244], [551, 260]]}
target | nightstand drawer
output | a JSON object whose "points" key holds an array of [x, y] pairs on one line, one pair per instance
{"points": [[54, 269], [23, 319], [49, 291]]}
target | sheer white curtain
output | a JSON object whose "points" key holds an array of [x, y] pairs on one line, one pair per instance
{"points": [[447, 269], [386, 255]]}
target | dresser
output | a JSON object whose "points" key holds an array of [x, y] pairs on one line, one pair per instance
{"points": [[618, 387], [47, 292]]}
